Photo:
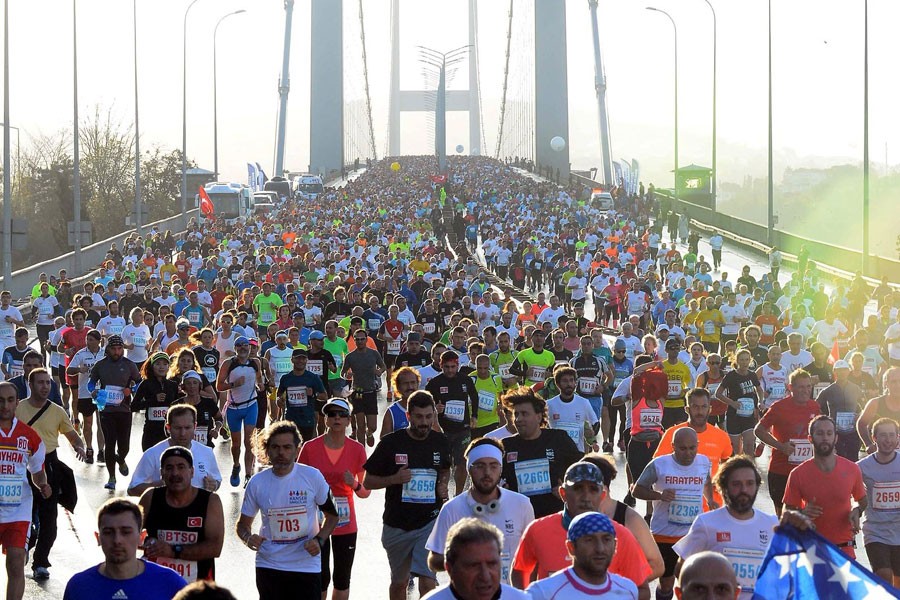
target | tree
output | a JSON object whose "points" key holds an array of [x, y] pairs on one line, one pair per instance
{"points": [[161, 182]]}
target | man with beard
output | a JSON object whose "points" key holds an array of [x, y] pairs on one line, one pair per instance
{"points": [[736, 530], [881, 472], [542, 550], [472, 558], [509, 511], [822, 487], [591, 542], [413, 466]]}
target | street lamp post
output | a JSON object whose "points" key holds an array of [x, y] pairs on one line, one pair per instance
{"points": [[675, 39], [865, 210], [7, 194], [770, 193], [184, 117], [215, 94], [76, 154], [137, 132], [715, 173]]}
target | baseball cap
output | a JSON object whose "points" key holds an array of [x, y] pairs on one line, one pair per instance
{"points": [[672, 343], [241, 340], [841, 364], [620, 345], [191, 374], [583, 471], [663, 327], [182, 324], [339, 403], [317, 335], [299, 352], [179, 451], [588, 523], [159, 356], [298, 313]]}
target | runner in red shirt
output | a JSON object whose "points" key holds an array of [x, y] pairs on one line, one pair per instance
{"points": [[391, 334], [784, 428], [73, 340], [542, 549], [822, 487]]}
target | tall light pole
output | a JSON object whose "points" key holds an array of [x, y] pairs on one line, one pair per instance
{"points": [[76, 174], [715, 173], [675, 39], [865, 211], [770, 193], [184, 116], [215, 93], [7, 193], [137, 132]]}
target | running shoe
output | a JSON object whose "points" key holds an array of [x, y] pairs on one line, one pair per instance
{"points": [[89, 456], [123, 468], [41, 573], [111, 484], [235, 476], [101, 455], [607, 447], [370, 440], [622, 445]]}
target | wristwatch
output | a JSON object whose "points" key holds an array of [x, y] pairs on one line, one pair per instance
{"points": [[177, 549]]}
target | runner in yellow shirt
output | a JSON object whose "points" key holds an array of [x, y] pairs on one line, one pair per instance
{"points": [[709, 323], [679, 376]]}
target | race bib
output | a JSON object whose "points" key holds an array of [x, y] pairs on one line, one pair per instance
{"points": [[15, 369], [745, 407], [11, 489], [209, 373], [342, 504], [886, 495], [589, 386], [6, 330], [374, 324], [486, 401], [428, 328], [157, 413], [503, 370], [186, 568], [674, 388], [709, 328], [819, 388], [288, 525], [573, 429], [283, 365], [139, 340], [420, 489], [116, 329], [45, 310], [685, 508], [447, 320], [315, 367], [776, 392], [538, 373], [746, 563], [393, 347], [845, 421], [201, 435], [455, 410], [194, 318], [768, 329], [651, 418], [731, 328], [533, 476], [115, 395], [338, 361], [266, 317], [296, 396], [803, 450]]}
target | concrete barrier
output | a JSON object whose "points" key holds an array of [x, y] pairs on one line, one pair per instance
{"points": [[91, 256]]}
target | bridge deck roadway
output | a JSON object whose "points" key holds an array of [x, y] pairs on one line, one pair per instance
{"points": [[76, 547]]}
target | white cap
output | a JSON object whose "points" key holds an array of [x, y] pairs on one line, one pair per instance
{"points": [[841, 364]]}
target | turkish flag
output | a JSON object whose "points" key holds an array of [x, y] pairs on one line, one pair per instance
{"points": [[439, 178], [206, 205]]}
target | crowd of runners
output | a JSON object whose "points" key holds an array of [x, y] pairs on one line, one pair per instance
{"points": [[280, 336]]}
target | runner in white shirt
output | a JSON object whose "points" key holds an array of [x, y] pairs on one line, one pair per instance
{"points": [[796, 358], [136, 336], [591, 542], [569, 411], [509, 511], [10, 318], [826, 332], [113, 323], [736, 530], [288, 497], [578, 284]]}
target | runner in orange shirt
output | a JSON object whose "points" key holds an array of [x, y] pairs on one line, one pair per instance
{"points": [[542, 549]]}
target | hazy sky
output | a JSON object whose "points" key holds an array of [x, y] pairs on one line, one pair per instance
{"points": [[817, 51]]}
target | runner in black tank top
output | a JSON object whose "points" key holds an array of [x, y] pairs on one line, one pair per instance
{"points": [[179, 526]]}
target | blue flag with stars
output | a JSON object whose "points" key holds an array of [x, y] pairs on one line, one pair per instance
{"points": [[803, 564]]}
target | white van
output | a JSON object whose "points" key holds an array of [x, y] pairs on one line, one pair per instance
{"points": [[602, 200]]}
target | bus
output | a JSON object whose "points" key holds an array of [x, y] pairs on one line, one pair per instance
{"points": [[280, 186], [308, 187], [231, 201]]}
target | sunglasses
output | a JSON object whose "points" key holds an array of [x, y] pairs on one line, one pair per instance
{"points": [[337, 414]]}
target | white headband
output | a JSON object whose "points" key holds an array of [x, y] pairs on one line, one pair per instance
{"points": [[483, 451]]}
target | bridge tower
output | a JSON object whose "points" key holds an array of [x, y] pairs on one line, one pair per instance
{"points": [[418, 100], [551, 84], [326, 108]]}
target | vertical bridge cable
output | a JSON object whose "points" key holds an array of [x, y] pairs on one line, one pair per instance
{"points": [[500, 132], [477, 66], [365, 67]]}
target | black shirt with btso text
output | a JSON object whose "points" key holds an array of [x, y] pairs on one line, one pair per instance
{"points": [[536, 467]]}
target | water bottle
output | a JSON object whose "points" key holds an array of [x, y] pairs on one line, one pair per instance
{"points": [[101, 398]]}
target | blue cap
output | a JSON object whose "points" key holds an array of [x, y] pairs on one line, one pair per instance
{"points": [[242, 340], [588, 523], [317, 335]]}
